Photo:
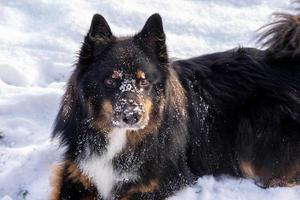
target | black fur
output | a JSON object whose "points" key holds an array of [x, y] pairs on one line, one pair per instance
{"points": [[222, 113]]}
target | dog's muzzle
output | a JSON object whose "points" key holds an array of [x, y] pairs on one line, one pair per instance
{"points": [[128, 109], [131, 114]]}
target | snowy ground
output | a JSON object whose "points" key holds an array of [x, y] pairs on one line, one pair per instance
{"points": [[38, 43]]}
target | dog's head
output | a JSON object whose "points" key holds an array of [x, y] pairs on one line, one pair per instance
{"points": [[119, 82]]}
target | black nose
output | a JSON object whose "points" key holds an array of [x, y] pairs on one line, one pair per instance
{"points": [[131, 118]]}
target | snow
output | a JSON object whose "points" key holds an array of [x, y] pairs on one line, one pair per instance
{"points": [[39, 40]]}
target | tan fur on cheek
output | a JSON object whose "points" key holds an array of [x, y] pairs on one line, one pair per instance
{"points": [[148, 106], [151, 118], [107, 107], [103, 121]]}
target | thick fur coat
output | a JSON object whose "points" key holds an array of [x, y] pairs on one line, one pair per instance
{"points": [[137, 125]]}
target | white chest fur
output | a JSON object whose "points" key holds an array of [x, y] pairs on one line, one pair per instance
{"points": [[100, 169]]}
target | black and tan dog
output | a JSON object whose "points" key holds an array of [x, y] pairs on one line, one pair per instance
{"points": [[139, 126]]}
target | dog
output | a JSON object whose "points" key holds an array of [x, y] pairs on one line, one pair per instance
{"points": [[137, 125]]}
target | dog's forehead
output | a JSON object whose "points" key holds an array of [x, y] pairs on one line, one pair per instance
{"points": [[122, 74], [126, 54], [125, 59]]}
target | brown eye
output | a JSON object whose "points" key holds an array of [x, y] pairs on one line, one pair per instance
{"points": [[109, 82], [144, 83]]}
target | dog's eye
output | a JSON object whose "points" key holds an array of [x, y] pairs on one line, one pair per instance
{"points": [[144, 83], [110, 82]]}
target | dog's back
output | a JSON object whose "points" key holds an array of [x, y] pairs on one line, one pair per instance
{"points": [[137, 126], [245, 105]]}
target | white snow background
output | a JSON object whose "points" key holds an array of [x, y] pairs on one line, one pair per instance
{"points": [[38, 44]]}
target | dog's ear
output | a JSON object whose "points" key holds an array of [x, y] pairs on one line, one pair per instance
{"points": [[99, 28], [98, 38], [152, 38]]}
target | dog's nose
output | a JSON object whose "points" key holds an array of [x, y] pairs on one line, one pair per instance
{"points": [[131, 118], [131, 112], [130, 108]]}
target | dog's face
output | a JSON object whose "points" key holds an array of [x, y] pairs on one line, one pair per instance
{"points": [[121, 80]]}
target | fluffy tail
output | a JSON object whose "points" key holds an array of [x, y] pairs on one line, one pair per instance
{"points": [[282, 36]]}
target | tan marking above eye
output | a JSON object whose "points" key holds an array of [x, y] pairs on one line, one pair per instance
{"points": [[140, 74], [117, 74]]}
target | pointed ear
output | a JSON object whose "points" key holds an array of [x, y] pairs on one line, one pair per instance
{"points": [[152, 38], [99, 28], [97, 39]]}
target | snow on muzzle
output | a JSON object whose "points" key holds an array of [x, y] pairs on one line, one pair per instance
{"points": [[128, 110]]}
